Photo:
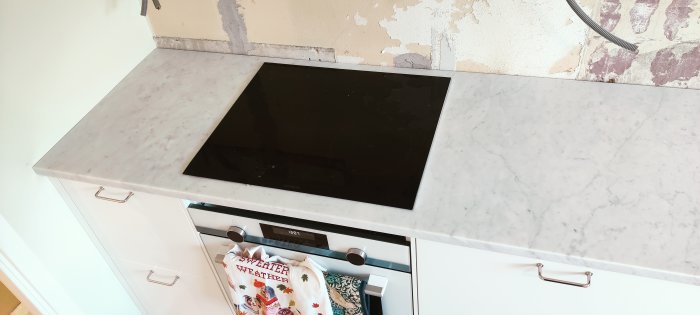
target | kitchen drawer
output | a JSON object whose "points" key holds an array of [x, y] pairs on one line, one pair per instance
{"points": [[187, 294], [147, 228], [453, 278]]}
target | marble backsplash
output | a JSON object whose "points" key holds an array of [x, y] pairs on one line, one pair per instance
{"points": [[518, 37]]}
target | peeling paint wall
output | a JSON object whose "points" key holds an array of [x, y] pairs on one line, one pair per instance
{"points": [[668, 35], [521, 37], [350, 28]]}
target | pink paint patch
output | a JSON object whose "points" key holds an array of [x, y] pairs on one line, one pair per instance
{"points": [[641, 13], [609, 15], [677, 14], [667, 67], [614, 62]]}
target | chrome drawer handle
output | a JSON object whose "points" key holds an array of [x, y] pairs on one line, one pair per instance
{"points": [[150, 273], [576, 284], [97, 195]]}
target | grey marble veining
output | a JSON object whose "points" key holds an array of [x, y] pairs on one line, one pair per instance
{"points": [[600, 175]]}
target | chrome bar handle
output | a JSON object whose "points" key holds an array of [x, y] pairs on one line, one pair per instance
{"points": [[151, 272], [97, 195], [576, 284]]}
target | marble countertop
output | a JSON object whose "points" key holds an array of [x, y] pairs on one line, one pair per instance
{"points": [[594, 174]]}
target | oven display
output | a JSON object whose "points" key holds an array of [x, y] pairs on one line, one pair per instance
{"points": [[294, 236]]}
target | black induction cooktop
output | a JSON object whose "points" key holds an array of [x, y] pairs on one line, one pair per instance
{"points": [[357, 135]]}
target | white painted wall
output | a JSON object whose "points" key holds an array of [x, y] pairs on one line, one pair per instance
{"points": [[57, 60]]}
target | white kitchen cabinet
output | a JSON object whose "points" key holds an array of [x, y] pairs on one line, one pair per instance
{"points": [[177, 293], [459, 280], [149, 232]]}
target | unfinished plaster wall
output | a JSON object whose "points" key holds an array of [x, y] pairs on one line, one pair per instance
{"points": [[521, 37], [668, 35], [188, 19]]}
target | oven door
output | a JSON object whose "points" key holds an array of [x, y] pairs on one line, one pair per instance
{"points": [[396, 298]]}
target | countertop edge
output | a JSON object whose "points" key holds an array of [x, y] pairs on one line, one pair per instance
{"points": [[432, 236]]}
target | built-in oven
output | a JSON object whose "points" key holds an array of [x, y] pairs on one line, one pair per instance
{"points": [[383, 260]]}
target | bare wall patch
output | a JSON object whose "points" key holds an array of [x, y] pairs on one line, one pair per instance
{"points": [[412, 60], [640, 14], [234, 25], [609, 14]]}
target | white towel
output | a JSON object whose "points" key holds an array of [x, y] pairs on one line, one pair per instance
{"points": [[263, 285]]}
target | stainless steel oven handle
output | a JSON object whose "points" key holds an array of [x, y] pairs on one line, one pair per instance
{"points": [[306, 249], [376, 286]]}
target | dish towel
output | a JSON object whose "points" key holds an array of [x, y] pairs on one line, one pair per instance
{"points": [[264, 285], [347, 294]]}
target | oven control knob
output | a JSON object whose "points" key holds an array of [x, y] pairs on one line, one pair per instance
{"points": [[356, 256], [236, 234]]}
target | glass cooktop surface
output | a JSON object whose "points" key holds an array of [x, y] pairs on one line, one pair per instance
{"points": [[357, 135]]}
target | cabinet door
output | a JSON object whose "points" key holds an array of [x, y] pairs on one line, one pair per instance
{"points": [[146, 228], [165, 291], [458, 280], [149, 231]]}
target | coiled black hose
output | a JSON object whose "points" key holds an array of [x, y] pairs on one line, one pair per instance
{"points": [[599, 29]]}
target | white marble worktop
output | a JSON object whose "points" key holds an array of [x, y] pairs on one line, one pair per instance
{"points": [[595, 174]]}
